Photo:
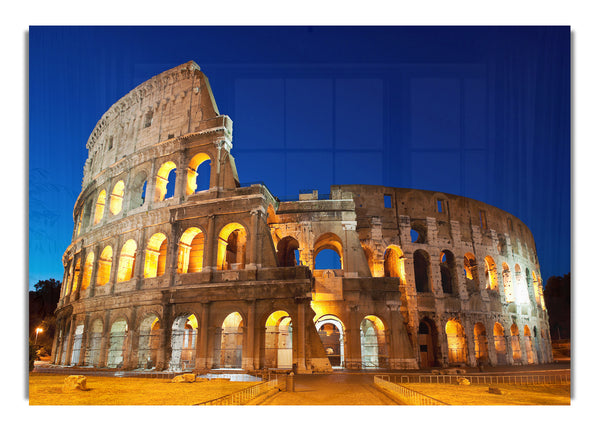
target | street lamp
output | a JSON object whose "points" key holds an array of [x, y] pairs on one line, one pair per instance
{"points": [[37, 331]]}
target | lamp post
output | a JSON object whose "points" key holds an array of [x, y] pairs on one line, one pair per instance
{"points": [[37, 331]]}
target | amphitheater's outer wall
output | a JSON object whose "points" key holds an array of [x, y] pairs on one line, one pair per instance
{"points": [[139, 293]]}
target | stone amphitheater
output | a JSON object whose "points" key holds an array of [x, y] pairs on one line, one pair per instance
{"points": [[175, 265]]}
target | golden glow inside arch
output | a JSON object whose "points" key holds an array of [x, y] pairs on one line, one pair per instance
{"points": [[393, 263], [76, 273], [233, 320], [104, 266], [87, 271], [100, 202], [278, 318], [191, 251], [156, 256], [127, 261], [231, 251], [116, 198], [162, 179], [192, 172], [377, 322], [491, 275]]}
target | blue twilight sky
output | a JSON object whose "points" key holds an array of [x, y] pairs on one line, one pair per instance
{"points": [[482, 112]]}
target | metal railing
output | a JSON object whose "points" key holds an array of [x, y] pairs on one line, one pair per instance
{"points": [[242, 397], [406, 395], [528, 379]]}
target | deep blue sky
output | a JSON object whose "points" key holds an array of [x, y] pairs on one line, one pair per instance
{"points": [[482, 112]]}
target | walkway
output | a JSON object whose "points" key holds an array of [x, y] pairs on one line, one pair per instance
{"points": [[333, 389]]}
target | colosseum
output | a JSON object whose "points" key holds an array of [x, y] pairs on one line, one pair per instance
{"points": [[174, 265]]}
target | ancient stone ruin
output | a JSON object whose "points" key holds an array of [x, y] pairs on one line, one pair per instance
{"points": [[174, 265]]}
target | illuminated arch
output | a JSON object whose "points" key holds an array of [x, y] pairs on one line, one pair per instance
{"points": [[228, 352], [183, 343], [522, 296], [116, 198], [278, 352], [192, 172], [231, 249], [481, 344], [92, 353], [528, 345], [190, 251], [515, 342], [156, 256], [373, 343], [457, 346], [127, 261], [104, 266], [491, 275], [509, 293], [76, 272], [287, 249], [99, 212], [470, 271], [393, 263], [148, 341], [87, 271], [162, 179], [117, 353], [500, 344], [331, 331]]}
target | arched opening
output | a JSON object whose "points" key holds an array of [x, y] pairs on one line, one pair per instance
{"points": [[99, 212], [286, 251], [507, 282], [539, 292], [76, 273], [127, 261], [278, 341], [77, 339], [515, 342], [116, 198], [64, 342], [191, 251], [231, 251], [92, 353], [427, 343], [448, 272], [138, 190], [491, 275], [148, 342], [229, 342], [331, 332], [67, 287], [500, 344], [183, 343], [521, 293], [418, 232], [470, 271], [198, 174], [422, 271], [371, 262], [156, 256], [373, 343], [165, 175], [87, 271], [328, 252], [116, 352], [528, 345], [393, 263], [481, 344], [457, 346], [104, 266]]}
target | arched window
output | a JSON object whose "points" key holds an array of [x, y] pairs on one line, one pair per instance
{"points": [[127, 261], [92, 353], [481, 344], [491, 275], [500, 344], [515, 342], [138, 190], [228, 352], [286, 251], [470, 270], [163, 177], [278, 341], [116, 198], [99, 213], [76, 273], [191, 251], [428, 341], [87, 271], [448, 272], [418, 232], [148, 342], [156, 256], [393, 263], [522, 296], [231, 250], [457, 346], [183, 343], [104, 266], [116, 350], [331, 331], [330, 246], [507, 281], [373, 343], [422, 271], [198, 174]]}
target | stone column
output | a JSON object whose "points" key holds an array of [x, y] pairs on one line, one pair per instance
{"points": [[70, 339], [352, 353], [300, 337], [254, 239], [114, 266], [209, 263], [105, 343], [248, 358], [202, 345], [84, 337], [470, 343]]}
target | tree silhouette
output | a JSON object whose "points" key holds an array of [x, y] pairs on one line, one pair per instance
{"points": [[42, 304], [557, 294]]}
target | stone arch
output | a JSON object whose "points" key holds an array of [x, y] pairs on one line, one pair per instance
{"points": [[190, 252], [287, 251], [104, 266], [393, 263], [418, 231], [491, 274], [138, 190], [374, 351], [231, 249], [116, 198], [156, 255], [515, 342], [422, 271], [528, 345], [197, 174], [538, 289], [332, 333], [148, 341], [278, 341], [428, 343], [500, 344], [470, 272], [481, 344], [99, 211], [162, 180], [76, 272], [77, 340], [229, 342], [184, 333], [117, 352], [509, 292], [127, 260], [457, 345], [522, 296], [328, 241], [448, 272], [88, 267], [94, 343]]}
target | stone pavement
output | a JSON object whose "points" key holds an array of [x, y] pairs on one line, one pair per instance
{"points": [[333, 389]]}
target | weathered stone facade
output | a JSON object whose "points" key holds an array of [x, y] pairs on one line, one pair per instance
{"points": [[174, 265]]}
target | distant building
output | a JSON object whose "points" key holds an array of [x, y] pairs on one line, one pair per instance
{"points": [[174, 264]]}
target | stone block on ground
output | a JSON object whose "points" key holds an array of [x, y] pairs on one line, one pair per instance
{"points": [[75, 383], [463, 381], [184, 378], [493, 390]]}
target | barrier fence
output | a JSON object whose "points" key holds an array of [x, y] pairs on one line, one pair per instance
{"points": [[408, 396], [242, 397], [529, 379]]}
